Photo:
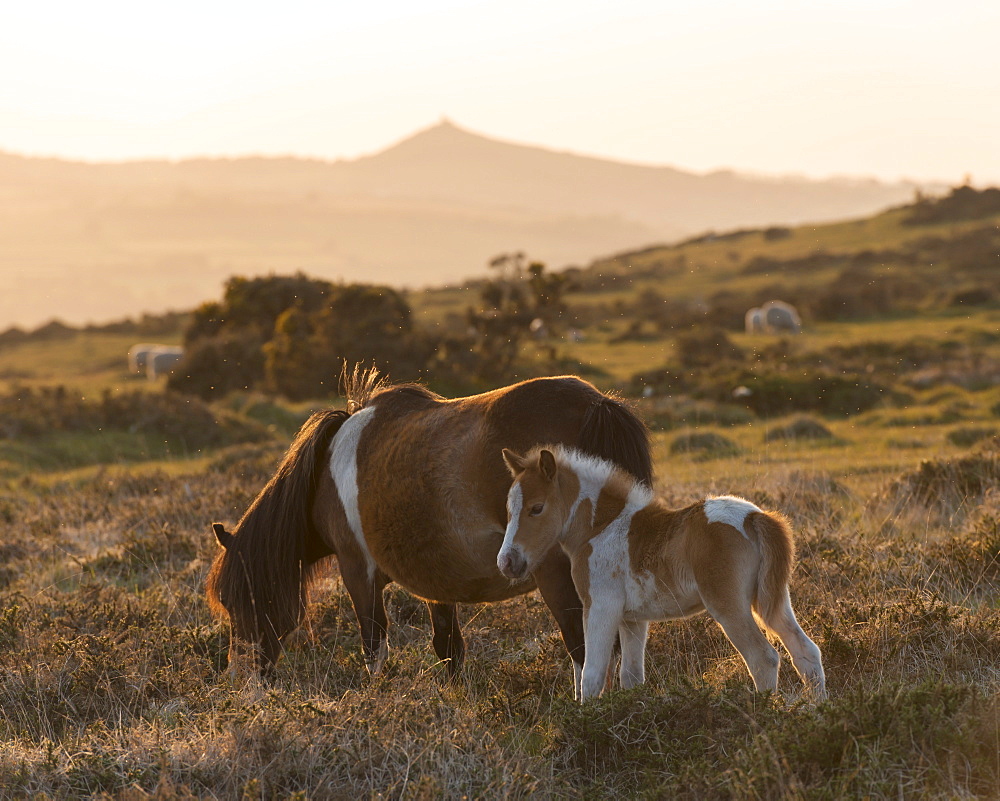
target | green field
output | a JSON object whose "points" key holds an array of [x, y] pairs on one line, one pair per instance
{"points": [[111, 666]]}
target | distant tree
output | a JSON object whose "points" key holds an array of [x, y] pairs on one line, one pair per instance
{"points": [[258, 302], [521, 293], [357, 323], [288, 366], [215, 366], [290, 334], [962, 203], [548, 291]]}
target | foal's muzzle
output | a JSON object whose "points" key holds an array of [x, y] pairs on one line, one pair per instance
{"points": [[512, 564]]}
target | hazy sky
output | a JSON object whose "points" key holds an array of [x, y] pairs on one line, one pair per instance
{"points": [[892, 89]]}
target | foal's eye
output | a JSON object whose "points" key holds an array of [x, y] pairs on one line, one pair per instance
{"points": [[536, 509]]}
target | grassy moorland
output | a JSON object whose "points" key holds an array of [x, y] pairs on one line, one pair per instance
{"points": [[110, 663]]}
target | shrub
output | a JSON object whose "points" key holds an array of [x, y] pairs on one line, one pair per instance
{"points": [[966, 437], [768, 392], [216, 366], [799, 428], [974, 296], [29, 413], [775, 393], [962, 203], [859, 291], [291, 335], [945, 482], [667, 412], [707, 347], [706, 444]]}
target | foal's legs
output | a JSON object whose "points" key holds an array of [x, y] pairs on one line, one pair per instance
{"points": [[728, 602], [601, 621], [633, 639], [761, 658], [448, 642], [805, 654], [727, 582], [555, 583]]}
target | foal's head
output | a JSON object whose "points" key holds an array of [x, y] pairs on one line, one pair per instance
{"points": [[535, 512]]}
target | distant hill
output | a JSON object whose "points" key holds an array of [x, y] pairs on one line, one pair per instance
{"points": [[98, 241]]}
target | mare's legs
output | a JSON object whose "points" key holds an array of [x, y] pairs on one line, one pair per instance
{"points": [[805, 654], [448, 642], [555, 583], [633, 639], [601, 620], [365, 588]]}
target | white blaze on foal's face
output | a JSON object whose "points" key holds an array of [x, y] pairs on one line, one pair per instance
{"points": [[533, 521]]}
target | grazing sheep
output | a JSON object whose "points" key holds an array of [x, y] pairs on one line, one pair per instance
{"points": [[161, 360], [754, 320]]}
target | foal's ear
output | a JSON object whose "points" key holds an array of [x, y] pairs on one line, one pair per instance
{"points": [[224, 537], [515, 464], [547, 464]]}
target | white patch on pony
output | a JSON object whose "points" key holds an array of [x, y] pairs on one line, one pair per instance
{"points": [[344, 469], [515, 501], [591, 472], [730, 510], [639, 497]]}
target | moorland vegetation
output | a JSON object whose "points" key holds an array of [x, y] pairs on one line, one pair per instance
{"points": [[875, 431]]}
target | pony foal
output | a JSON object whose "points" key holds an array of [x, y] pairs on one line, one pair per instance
{"points": [[634, 560]]}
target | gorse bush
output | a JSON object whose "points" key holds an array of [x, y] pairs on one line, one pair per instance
{"points": [[962, 203], [970, 435], [355, 324], [31, 413], [291, 335], [775, 393], [946, 482], [799, 428], [706, 347], [705, 444]]}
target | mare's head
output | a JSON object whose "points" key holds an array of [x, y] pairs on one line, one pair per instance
{"points": [[235, 591], [536, 512]]}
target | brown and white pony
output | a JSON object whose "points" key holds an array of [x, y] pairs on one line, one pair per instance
{"points": [[409, 487], [635, 560]]}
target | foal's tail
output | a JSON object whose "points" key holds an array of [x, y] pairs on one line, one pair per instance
{"points": [[612, 431], [773, 534]]}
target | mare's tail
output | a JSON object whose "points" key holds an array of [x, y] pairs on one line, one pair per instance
{"points": [[773, 535], [612, 431]]}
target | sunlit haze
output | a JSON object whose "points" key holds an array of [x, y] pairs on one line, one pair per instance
{"points": [[888, 89]]}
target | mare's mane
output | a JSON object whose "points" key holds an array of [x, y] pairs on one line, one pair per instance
{"points": [[361, 386], [243, 572]]}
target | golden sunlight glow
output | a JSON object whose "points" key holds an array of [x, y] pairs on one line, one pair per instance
{"points": [[885, 88]]}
